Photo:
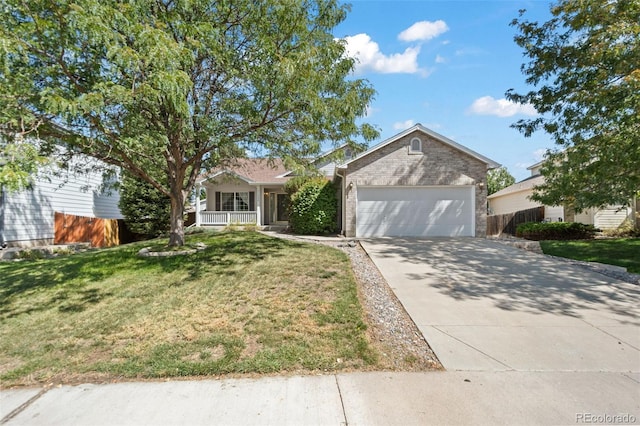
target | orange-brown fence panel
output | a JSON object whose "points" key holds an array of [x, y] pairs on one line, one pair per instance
{"points": [[111, 232], [80, 229]]}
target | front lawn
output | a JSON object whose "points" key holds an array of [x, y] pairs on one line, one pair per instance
{"points": [[620, 251], [246, 304]]}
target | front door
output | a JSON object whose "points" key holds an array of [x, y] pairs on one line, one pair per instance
{"points": [[282, 214]]}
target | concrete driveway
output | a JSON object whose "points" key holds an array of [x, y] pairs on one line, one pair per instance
{"points": [[485, 306]]}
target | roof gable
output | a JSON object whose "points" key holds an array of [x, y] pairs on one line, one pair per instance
{"points": [[252, 170], [524, 185], [440, 138]]}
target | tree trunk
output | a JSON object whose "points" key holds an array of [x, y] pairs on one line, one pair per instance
{"points": [[176, 235]]}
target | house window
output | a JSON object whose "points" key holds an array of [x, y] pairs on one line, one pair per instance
{"points": [[234, 201], [228, 201], [415, 146], [242, 201]]}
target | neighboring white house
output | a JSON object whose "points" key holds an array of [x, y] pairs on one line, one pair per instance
{"points": [[27, 217], [516, 197]]}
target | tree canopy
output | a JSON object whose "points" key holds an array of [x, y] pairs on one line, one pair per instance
{"points": [[584, 64], [173, 87], [19, 162], [498, 179]]}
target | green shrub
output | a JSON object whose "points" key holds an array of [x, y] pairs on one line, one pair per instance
{"points": [[30, 254], [625, 230], [555, 231], [145, 209], [314, 207], [294, 184]]}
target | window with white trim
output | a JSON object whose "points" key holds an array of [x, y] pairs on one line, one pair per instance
{"points": [[234, 201], [415, 146]]}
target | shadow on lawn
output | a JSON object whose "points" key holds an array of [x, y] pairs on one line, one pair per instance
{"points": [[225, 252], [74, 281]]}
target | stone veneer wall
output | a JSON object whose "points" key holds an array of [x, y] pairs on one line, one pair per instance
{"points": [[439, 164]]}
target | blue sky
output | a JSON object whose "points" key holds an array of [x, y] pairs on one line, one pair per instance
{"points": [[447, 65]]}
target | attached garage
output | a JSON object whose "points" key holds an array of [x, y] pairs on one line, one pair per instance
{"points": [[415, 184], [426, 211]]}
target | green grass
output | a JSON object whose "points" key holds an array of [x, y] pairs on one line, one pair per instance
{"points": [[623, 252], [248, 303]]}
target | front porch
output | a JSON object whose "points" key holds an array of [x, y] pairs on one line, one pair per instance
{"points": [[249, 192], [213, 218], [260, 206]]}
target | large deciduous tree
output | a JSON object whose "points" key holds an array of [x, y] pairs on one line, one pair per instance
{"points": [[584, 64], [174, 87], [498, 179]]}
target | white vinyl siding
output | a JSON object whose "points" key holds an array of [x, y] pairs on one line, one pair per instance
{"points": [[28, 215], [611, 217], [328, 169], [554, 213], [510, 203], [517, 201], [415, 211]]}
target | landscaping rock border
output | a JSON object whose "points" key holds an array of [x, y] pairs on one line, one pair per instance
{"points": [[610, 271], [41, 252], [146, 251]]}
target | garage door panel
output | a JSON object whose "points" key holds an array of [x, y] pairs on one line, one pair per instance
{"points": [[423, 212]]}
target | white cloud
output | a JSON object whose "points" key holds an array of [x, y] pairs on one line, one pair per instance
{"points": [[423, 30], [370, 111], [369, 57], [538, 154], [440, 59], [487, 105], [433, 126], [402, 125]]}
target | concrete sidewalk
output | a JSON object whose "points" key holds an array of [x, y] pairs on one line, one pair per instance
{"points": [[478, 398]]}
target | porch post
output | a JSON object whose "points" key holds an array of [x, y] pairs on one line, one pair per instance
{"points": [[198, 190], [259, 205]]}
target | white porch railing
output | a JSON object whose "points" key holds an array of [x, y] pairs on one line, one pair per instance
{"points": [[227, 218]]}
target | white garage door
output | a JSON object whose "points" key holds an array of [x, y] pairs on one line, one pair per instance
{"points": [[441, 211]]}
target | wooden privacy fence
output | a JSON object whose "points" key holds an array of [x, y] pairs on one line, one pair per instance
{"points": [[69, 228], [507, 223]]}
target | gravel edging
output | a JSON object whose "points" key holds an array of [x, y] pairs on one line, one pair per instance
{"points": [[390, 328], [402, 344]]}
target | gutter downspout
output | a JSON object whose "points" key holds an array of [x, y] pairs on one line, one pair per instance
{"points": [[343, 204], [2, 203]]}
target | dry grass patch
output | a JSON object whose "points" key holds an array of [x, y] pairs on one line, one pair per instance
{"points": [[246, 304]]}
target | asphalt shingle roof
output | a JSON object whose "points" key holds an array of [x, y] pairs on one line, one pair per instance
{"points": [[253, 170]]}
